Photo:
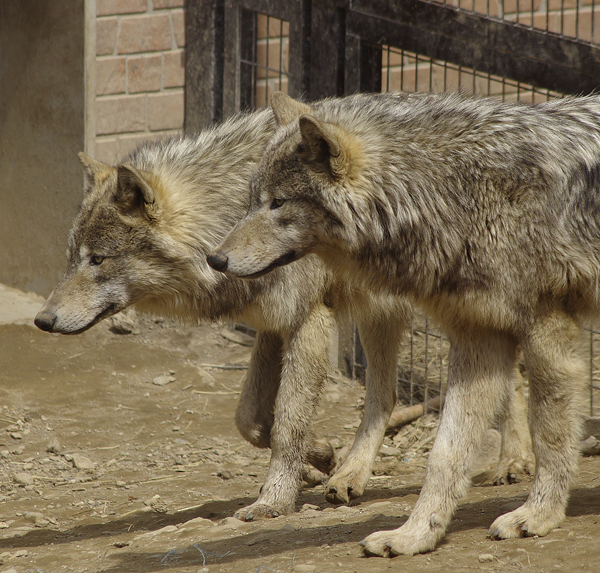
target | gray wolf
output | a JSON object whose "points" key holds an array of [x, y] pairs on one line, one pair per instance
{"points": [[487, 215], [141, 239]]}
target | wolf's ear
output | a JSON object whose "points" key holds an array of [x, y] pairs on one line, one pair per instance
{"points": [[325, 148], [287, 109], [133, 190], [92, 169]]}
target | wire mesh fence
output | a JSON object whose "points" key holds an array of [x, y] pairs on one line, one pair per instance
{"points": [[264, 61], [579, 19]]}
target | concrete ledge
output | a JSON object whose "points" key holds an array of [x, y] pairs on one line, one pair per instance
{"points": [[18, 307]]}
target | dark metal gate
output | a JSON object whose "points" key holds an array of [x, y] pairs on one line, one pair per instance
{"points": [[336, 47]]}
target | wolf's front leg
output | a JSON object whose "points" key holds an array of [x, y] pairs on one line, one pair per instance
{"points": [[380, 338], [556, 378], [304, 371], [478, 371], [254, 413]]}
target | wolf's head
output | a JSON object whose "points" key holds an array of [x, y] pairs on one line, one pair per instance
{"points": [[297, 203], [115, 257]]}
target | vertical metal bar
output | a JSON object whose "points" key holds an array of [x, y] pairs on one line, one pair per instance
{"points": [[281, 66], [416, 72], [531, 15], [402, 89], [267, 67], [248, 42], [431, 74], [593, 16]]}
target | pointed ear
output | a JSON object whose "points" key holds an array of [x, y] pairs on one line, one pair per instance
{"points": [[287, 109], [325, 148], [134, 192], [93, 170]]}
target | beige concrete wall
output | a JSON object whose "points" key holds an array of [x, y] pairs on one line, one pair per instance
{"points": [[42, 119]]}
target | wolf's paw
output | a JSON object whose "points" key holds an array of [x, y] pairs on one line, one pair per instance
{"points": [[262, 511], [523, 522], [401, 541], [346, 484], [513, 470], [320, 455]]}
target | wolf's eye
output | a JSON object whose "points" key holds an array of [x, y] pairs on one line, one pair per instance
{"points": [[277, 202], [96, 260]]}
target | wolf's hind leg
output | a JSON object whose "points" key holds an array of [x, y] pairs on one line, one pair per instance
{"points": [[255, 411], [305, 361], [380, 338], [480, 366], [556, 377]]}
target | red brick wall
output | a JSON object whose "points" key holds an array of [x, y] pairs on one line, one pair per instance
{"points": [[140, 63]]}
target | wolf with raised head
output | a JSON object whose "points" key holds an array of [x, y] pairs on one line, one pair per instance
{"points": [[141, 239], [487, 215]]}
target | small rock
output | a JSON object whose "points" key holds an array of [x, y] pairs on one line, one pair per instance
{"points": [[41, 522], [485, 558], [4, 454], [151, 501], [53, 446], [122, 323], [4, 525], [163, 380], [82, 463], [224, 474], [22, 478], [308, 506], [120, 483], [121, 544], [380, 505], [389, 451], [16, 435]]}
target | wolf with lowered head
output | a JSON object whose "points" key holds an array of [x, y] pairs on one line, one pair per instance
{"points": [[141, 239]]}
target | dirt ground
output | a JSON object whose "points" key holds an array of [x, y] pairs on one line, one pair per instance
{"points": [[118, 454]]}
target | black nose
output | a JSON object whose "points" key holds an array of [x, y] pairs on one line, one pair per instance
{"points": [[45, 320], [217, 261]]}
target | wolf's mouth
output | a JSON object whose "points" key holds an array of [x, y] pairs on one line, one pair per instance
{"points": [[108, 311], [286, 259]]}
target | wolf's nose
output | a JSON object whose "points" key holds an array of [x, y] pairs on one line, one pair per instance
{"points": [[45, 320], [217, 261]]}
